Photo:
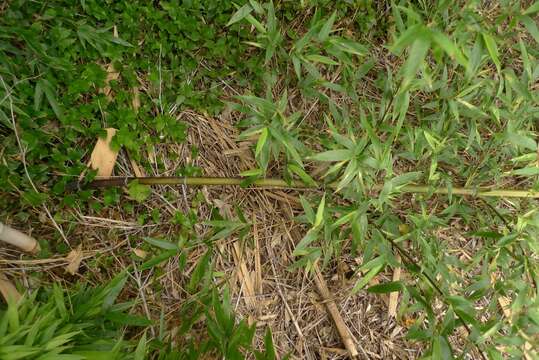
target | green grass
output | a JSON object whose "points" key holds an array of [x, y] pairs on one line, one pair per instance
{"points": [[368, 94]]}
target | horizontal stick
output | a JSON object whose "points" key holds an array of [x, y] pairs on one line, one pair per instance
{"points": [[279, 183]]}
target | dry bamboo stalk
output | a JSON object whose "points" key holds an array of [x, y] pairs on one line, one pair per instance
{"points": [[279, 183], [343, 330], [18, 239]]}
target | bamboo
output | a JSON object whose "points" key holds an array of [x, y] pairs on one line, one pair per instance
{"points": [[18, 239], [342, 329], [279, 183]]}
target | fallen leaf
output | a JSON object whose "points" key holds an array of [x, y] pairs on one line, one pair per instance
{"points": [[103, 157], [136, 99], [74, 258], [225, 210], [140, 253], [136, 168], [8, 290]]}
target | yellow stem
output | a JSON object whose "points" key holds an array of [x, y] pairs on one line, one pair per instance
{"points": [[279, 183]]}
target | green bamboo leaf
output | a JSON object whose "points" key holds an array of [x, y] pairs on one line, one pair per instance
{"points": [[522, 141], [113, 290], [441, 349], [450, 48], [240, 14], [326, 28], [321, 59], [367, 278], [140, 351], [297, 66], [532, 9], [311, 236], [38, 96], [333, 155], [388, 287], [261, 141], [492, 49], [306, 178], [252, 172], [349, 46], [50, 94], [320, 212], [307, 208], [257, 24], [256, 6], [271, 19], [156, 260], [531, 26], [350, 173], [527, 171], [163, 244], [417, 55], [406, 38]]}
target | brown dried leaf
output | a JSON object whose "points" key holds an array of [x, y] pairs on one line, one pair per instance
{"points": [[74, 258], [136, 99], [140, 253], [8, 290], [103, 157]]}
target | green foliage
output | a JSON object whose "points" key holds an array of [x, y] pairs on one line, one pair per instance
{"points": [[372, 95], [54, 324], [458, 111]]}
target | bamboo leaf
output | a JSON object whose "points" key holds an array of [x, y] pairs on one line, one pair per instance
{"points": [[418, 52], [321, 59], [320, 212], [532, 9], [386, 287], [333, 155], [492, 49], [163, 244], [326, 28], [240, 14]]}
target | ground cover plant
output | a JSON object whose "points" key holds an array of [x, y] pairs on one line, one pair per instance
{"points": [[388, 111]]}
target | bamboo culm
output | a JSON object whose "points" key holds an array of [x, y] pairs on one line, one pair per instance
{"points": [[279, 183]]}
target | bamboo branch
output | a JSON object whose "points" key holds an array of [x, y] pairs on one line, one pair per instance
{"points": [[279, 183]]}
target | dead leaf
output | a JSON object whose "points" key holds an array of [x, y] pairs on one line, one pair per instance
{"points": [[8, 290], [225, 210], [103, 157], [140, 253], [136, 99], [74, 258]]}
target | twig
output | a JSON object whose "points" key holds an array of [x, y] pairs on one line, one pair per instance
{"points": [[279, 183], [343, 330], [23, 160]]}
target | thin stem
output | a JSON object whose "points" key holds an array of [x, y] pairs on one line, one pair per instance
{"points": [[279, 183]]}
